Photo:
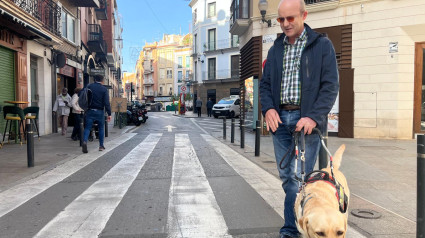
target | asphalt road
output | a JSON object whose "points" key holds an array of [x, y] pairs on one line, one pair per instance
{"points": [[167, 178]]}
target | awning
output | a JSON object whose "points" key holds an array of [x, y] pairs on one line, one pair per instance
{"points": [[85, 3]]}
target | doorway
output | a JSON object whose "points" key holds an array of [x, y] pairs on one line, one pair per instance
{"points": [[419, 93]]}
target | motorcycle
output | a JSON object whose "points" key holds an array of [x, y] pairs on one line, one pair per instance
{"points": [[136, 115]]}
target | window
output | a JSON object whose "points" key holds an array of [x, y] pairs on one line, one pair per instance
{"points": [[211, 39], [161, 73], [187, 61], [68, 26], [235, 66], [179, 76], [187, 75], [195, 16], [211, 68], [180, 62], [211, 10], [235, 41], [194, 43], [169, 73]]}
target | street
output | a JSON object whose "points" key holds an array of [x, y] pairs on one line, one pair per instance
{"points": [[169, 177]]}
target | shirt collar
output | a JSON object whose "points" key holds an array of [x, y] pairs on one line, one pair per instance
{"points": [[303, 37]]}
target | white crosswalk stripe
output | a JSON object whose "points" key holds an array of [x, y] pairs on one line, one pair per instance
{"points": [[87, 215], [19, 194], [193, 210]]}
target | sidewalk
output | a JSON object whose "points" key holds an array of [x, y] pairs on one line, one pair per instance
{"points": [[13, 162], [381, 175]]}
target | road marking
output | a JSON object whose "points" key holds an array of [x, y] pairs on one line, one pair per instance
{"points": [[88, 214], [170, 128], [192, 208], [21, 193], [196, 124], [268, 186]]}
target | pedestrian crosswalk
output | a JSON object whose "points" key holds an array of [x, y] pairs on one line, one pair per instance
{"points": [[211, 191]]}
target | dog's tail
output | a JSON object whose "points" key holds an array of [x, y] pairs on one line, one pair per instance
{"points": [[338, 157]]}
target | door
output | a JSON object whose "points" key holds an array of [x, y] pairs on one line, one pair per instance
{"points": [[211, 69], [211, 40], [34, 82], [7, 81], [419, 93], [234, 66]]}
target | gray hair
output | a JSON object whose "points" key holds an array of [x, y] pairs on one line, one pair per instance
{"points": [[302, 5]]}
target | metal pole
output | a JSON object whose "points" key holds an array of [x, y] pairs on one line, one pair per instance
{"points": [[323, 155], [106, 126], [224, 128], [81, 128], [232, 131], [420, 226], [30, 144], [242, 133], [257, 138]]}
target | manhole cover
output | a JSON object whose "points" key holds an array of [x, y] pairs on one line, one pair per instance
{"points": [[366, 213]]}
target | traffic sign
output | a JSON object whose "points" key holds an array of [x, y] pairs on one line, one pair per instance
{"points": [[183, 88]]}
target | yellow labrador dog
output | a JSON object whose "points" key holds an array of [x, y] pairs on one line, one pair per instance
{"points": [[321, 210]]}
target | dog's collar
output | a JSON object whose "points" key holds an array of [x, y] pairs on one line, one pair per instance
{"points": [[320, 175]]}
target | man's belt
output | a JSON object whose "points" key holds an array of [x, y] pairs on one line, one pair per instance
{"points": [[289, 107]]}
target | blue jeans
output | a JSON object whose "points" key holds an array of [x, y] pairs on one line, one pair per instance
{"points": [[91, 116], [282, 141]]}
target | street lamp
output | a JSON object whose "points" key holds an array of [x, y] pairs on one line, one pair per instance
{"points": [[263, 5]]}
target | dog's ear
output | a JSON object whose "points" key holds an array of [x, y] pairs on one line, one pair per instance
{"points": [[303, 221], [338, 157]]}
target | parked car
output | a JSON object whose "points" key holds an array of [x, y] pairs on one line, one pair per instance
{"points": [[229, 107]]}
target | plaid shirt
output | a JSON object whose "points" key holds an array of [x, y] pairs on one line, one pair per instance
{"points": [[291, 85]]}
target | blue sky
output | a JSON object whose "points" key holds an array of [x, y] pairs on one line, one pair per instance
{"points": [[147, 20]]}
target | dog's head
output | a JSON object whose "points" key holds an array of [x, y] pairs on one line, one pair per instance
{"points": [[322, 222]]}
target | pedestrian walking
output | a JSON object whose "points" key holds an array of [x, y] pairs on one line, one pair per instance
{"points": [[210, 105], [62, 107], [297, 91], [96, 111], [198, 105], [77, 112]]}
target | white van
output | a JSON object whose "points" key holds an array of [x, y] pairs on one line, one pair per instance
{"points": [[229, 107]]}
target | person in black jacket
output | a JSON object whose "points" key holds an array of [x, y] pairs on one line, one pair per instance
{"points": [[210, 105], [96, 111], [298, 89]]}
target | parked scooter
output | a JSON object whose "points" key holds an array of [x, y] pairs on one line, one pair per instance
{"points": [[136, 115]]}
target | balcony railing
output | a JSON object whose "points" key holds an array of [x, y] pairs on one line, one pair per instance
{"points": [[221, 44], [101, 12], [239, 10], [46, 11], [307, 2], [95, 39], [222, 74]]}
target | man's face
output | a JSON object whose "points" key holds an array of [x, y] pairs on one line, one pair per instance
{"points": [[291, 9]]}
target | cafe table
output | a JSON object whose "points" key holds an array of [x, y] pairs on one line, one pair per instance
{"points": [[17, 103]]}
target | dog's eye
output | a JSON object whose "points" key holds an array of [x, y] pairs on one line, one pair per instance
{"points": [[320, 233], [340, 233]]}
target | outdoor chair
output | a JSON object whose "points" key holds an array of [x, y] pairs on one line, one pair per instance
{"points": [[14, 114], [33, 117]]}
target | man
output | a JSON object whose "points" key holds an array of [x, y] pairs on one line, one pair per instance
{"points": [[210, 105], [78, 112], [63, 106], [297, 91], [99, 102], [199, 106]]}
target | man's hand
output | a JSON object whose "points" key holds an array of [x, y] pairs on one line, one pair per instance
{"points": [[109, 118], [272, 120], [307, 123]]}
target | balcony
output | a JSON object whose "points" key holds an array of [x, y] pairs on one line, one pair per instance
{"points": [[225, 74], [321, 5], [101, 12], [221, 45], [102, 55], [148, 82], [308, 2], [239, 17], [46, 11], [85, 3], [95, 39]]}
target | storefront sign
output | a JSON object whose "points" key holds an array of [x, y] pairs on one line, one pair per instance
{"points": [[393, 46], [97, 72], [67, 71], [269, 38]]}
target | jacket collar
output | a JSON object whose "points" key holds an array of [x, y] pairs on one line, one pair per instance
{"points": [[311, 37]]}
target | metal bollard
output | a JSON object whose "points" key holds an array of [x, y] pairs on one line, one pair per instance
{"points": [[420, 202], [30, 144], [81, 129], [106, 126], [242, 133], [232, 131], [323, 155], [257, 138], [224, 128]]}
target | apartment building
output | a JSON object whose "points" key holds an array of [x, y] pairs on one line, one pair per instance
{"points": [[379, 46], [150, 69], [215, 51], [166, 54], [183, 66]]}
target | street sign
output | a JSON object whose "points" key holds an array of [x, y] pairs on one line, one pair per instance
{"points": [[183, 88], [127, 87]]}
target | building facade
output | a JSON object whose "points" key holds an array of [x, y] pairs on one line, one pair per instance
{"points": [[380, 60], [215, 51]]}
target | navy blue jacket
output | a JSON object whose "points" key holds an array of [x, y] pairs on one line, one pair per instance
{"points": [[318, 74], [100, 98]]}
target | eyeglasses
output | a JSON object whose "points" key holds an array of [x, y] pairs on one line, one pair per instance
{"points": [[289, 19]]}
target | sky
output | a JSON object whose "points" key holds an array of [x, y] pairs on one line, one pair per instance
{"points": [[147, 21]]}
